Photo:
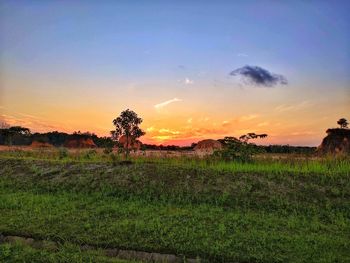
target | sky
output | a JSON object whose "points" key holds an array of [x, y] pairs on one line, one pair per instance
{"points": [[192, 70]]}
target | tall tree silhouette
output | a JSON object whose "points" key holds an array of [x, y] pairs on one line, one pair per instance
{"points": [[127, 124]]}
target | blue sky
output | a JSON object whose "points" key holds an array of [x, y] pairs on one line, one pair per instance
{"points": [[151, 37], [156, 50]]}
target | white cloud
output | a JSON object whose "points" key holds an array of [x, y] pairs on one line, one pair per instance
{"points": [[165, 103], [242, 55], [188, 81]]}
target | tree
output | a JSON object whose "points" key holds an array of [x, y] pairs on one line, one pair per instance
{"points": [[19, 130], [16, 135], [343, 123], [127, 124]]}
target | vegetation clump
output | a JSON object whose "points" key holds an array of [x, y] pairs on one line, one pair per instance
{"points": [[239, 149]]}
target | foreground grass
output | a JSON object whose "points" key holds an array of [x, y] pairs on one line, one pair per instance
{"points": [[206, 231], [218, 215]]}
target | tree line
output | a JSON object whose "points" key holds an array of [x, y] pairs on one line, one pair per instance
{"points": [[127, 124], [17, 135]]}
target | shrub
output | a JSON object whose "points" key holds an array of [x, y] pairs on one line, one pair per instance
{"points": [[237, 150], [107, 150], [114, 158], [62, 153], [89, 154]]}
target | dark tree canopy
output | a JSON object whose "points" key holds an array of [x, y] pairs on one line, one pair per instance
{"points": [[15, 135], [343, 123], [251, 135], [19, 130]]}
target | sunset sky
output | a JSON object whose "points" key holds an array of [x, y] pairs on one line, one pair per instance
{"points": [[190, 69]]}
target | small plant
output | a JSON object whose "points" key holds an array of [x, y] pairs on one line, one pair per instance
{"points": [[89, 154], [62, 153], [107, 150], [114, 158]]}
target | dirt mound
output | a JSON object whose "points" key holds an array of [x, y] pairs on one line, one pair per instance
{"points": [[80, 143], [336, 142], [132, 145], [37, 144], [207, 146]]}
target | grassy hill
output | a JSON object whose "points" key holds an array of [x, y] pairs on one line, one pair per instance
{"points": [[288, 211]]}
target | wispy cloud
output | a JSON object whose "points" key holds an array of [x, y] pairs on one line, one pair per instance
{"points": [[241, 119], [263, 124], [168, 131], [29, 121], [166, 103], [302, 133], [293, 107], [242, 55], [248, 117], [258, 76]]}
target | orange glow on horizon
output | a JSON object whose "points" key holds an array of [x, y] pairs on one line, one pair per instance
{"points": [[181, 121], [184, 132]]}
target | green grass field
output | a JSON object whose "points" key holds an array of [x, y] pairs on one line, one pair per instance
{"points": [[287, 210]]}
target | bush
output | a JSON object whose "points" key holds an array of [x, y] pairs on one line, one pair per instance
{"points": [[89, 154], [107, 150], [237, 150], [62, 153]]}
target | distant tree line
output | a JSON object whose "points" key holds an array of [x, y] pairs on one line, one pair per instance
{"points": [[168, 147], [18, 135], [288, 149]]}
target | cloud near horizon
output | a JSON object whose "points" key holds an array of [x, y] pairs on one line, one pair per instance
{"points": [[166, 103], [259, 76]]}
